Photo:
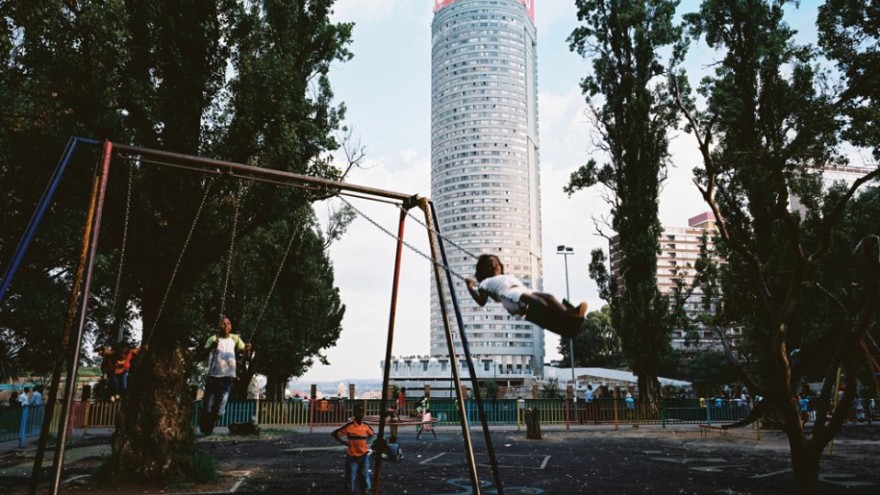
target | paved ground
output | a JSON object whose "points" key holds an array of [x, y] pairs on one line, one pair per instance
{"points": [[594, 460]]}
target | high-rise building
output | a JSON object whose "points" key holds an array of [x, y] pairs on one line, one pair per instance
{"points": [[484, 168], [831, 174], [679, 251]]}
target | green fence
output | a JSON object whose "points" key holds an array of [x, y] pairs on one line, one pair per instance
{"points": [[22, 424], [97, 414]]}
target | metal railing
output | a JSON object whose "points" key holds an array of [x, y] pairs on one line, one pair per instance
{"points": [[26, 423]]}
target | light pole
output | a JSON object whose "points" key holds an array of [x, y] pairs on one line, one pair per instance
{"points": [[566, 251]]}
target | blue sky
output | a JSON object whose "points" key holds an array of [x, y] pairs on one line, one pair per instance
{"points": [[386, 87]]}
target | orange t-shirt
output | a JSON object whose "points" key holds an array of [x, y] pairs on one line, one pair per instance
{"points": [[357, 434]]}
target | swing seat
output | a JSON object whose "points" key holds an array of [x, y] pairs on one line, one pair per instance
{"points": [[565, 325]]}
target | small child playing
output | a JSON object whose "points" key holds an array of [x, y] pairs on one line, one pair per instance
{"points": [[120, 357], [357, 458], [491, 281]]}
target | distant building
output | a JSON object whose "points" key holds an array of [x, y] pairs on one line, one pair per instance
{"points": [[485, 180], [679, 251], [604, 377], [414, 372], [846, 174]]}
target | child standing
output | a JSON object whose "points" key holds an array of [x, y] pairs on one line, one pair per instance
{"points": [[491, 281], [357, 459]]}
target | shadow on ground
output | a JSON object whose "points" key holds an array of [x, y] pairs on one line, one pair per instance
{"points": [[596, 460]]}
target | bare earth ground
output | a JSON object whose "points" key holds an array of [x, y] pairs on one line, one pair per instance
{"points": [[593, 459]]}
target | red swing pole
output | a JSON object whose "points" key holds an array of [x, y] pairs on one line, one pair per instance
{"points": [[387, 373], [51, 395], [426, 206], [70, 385]]}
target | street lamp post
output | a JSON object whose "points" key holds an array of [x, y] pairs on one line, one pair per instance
{"points": [[566, 251]]}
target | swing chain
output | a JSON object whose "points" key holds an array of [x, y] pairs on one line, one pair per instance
{"points": [[237, 205], [438, 234], [448, 240], [274, 282], [410, 246], [192, 229], [122, 249]]}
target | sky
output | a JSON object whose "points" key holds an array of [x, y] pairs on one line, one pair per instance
{"points": [[386, 89]]}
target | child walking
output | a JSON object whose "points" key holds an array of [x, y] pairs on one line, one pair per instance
{"points": [[538, 307], [357, 459]]}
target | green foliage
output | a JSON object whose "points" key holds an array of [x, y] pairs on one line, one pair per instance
{"points": [[245, 82], [550, 389], [597, 344], [202, 468], [848, 36], [9, 368], [632, 107], [708, 371], [806, 279], [491, 387]]}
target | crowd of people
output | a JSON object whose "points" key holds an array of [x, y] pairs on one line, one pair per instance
{"points": [[29, 396]]}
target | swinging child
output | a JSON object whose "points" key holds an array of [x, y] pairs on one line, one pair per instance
{"points": [[538, 307]]}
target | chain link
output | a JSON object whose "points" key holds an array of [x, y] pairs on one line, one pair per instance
{"points": [[192, 229], [237, 203], [410, 246], [438, 234], [449, 241], [274, 282], [122, 249]]}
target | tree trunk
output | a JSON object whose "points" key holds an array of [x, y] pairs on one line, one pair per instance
{"points": [[275, 387], [154, 435], [649, 396], [241, 384], [805, 464]]}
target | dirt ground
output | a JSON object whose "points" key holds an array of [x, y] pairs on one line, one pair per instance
{"points": [[594, 459]]}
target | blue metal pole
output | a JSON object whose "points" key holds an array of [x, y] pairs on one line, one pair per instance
{"points": [[42, 206], [481, 409], [22, 429]]}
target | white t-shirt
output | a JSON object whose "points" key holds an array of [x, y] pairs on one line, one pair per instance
{"points": [[23, 399], [222, 363], [505, 289]]}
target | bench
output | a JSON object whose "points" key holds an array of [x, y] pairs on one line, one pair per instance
{"points": [[706, 429]]}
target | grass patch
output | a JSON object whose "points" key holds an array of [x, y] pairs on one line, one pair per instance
{"points": [[202, 468]]}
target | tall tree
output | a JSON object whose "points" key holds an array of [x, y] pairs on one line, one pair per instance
{"points": [[157, 74], [597, 344], [631, 108], [848, 35], [764, 125]]}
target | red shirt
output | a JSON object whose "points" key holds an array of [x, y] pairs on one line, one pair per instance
{"points": [[124, 364]]}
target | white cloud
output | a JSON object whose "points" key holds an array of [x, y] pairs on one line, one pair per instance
{"points": [[365, 10], [550, 13], [387, 90]]}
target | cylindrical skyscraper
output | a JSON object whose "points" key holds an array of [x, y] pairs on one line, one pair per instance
{"points": [[484, 168]]}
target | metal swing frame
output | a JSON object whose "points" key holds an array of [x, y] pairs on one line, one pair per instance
{"points": [[81, 286]]}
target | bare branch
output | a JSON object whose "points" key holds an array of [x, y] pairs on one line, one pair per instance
{"points": [[738, 367], [598, 223]]}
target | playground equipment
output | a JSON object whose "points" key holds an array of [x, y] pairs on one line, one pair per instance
{"points": [[71, 342]]}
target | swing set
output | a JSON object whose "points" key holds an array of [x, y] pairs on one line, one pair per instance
{"points": [[78, 303]]}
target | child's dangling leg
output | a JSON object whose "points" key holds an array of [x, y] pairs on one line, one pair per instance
{"points": [[545, 311]]}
